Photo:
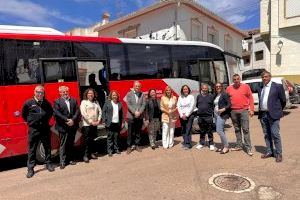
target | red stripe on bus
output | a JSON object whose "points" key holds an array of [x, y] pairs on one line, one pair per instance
{"points": [[58, 37]]}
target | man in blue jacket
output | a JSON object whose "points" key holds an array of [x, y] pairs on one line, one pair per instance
{"points": [[272, 100]]}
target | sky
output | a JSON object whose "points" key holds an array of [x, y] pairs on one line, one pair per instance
{"points": [[64, 15]]}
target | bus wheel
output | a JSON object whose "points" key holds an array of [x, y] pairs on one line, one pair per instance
{"points": [[40, 153]]}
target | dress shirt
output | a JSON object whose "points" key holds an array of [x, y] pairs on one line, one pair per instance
{"points": [[264, 97]]}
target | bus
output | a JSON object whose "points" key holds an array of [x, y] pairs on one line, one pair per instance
{"points": [[27, 60]]}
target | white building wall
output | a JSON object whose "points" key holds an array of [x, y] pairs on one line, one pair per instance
{"points": [[163, 19], [279, 28], [160, 19]]}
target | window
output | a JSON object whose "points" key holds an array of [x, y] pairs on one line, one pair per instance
{"points": [[52, 49], [228, 43], [28, 71], [255, 86], [130, 33], [91, 73], [212, 35], [259, 55], [117, 62], [292, 8], [88, 50], [59, 71], [221, 73], [197, 30], [246, 59], [19, 65], [147, 62]]}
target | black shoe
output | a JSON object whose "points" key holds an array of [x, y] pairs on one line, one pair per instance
{"points": [[86, 159], [49, 167], [267, 155], [153, 147], [72, 162], [30, 173], [62, 166], [279, 158], [117, 152], [110, 154]]}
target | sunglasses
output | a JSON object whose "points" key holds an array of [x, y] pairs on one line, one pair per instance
{"points": [[38, 92]]}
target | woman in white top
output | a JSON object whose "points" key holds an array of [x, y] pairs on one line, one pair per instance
{"points": [[91, 116], [185, 106], [113, 118]]}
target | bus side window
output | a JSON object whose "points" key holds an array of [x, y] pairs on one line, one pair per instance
{"points": [[19, 64], [117, 65], [59, 71]]}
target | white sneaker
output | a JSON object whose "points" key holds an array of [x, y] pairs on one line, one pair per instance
{"points": [[199, 146], [211, 147]]}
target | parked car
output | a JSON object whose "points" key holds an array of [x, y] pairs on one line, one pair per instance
{"points": [[256, 83], [293, 92]]}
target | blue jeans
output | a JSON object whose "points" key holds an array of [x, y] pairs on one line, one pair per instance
{"points": [[271, 133], [186, 130], [220, 123]]}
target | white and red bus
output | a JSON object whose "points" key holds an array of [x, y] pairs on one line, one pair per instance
{"points": [[27, 60]]}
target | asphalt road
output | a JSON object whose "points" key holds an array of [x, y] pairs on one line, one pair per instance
{"points": [[165, 174]]}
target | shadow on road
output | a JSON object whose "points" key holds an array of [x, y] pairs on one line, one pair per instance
{"points": [[13, 163], [260, 149]]}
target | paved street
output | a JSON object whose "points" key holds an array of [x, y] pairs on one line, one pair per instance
{"points": [[168, 174]]}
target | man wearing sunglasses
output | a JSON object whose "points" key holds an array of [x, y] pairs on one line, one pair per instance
{"points": [[37, 112]]}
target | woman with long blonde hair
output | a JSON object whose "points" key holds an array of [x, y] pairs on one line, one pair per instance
{"points": [[169, 117]]}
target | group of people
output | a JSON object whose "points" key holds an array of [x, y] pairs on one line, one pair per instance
{"points": [[236, 102]]}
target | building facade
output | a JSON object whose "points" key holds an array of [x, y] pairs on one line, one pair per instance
{"points": [[175, 20], [280, 29], [255, 52]]}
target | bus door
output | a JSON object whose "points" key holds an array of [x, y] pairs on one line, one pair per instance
{"points": [[93, 74], [58, 72], [194, 72], [207, 73]]}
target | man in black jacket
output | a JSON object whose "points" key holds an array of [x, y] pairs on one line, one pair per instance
{"points": [[66, 113], [37, 112], [204, 104]]}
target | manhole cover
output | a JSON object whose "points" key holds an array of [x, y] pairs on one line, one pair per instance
{"points": [[229, 182]]}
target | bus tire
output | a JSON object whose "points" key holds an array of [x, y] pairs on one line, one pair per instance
{"points": [[40, 153]]}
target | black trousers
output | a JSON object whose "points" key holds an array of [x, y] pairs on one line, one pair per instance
{"points": [[206, 126], [134, 131], [37, 135], [66, 148], [89, 133], [113, 132]]}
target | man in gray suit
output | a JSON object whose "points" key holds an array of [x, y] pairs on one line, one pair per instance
{"points": [[136, 103]]}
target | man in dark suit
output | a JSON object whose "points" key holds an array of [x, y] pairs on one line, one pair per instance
{"points": [[136, 103], [272, 100], [66, 113]]}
